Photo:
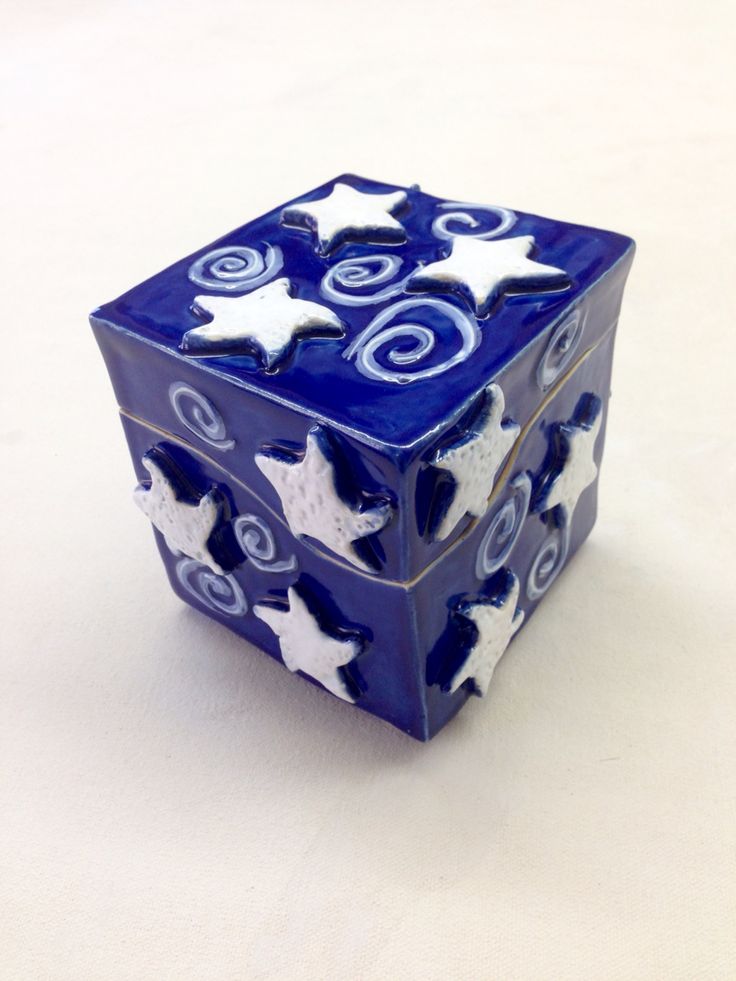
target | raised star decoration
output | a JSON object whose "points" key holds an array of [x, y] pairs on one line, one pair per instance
{"points": [[575, 443], [268, 320], [186, 527], [497, 622], [474, 462], [312, 505], [306, 647], [349, 215], [481, 270]]}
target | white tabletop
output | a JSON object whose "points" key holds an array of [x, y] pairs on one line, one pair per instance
{"points": [[173, 804]]}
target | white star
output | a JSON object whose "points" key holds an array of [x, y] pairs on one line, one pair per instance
{"points": [[496, 623], [268, 319], [346, 214], [577, 443], [306, 647], [475, 461], [311, 503], [485, 269], [185, 527]]}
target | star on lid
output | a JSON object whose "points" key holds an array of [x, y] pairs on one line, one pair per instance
{"points": [[306, 647], [349, 215], [474, 462], [268, 321], [481, 270], [312, 505], [574, 467], [497, 622], [186, 527]]}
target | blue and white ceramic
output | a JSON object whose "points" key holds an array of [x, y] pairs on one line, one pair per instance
{"points": [[367, 429]]}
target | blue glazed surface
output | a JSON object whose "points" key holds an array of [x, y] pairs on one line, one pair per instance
{"points": [[317, 377], [404, 593]]}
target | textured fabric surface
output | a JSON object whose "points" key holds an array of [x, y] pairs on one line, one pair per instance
{"points": [[175, 805]]}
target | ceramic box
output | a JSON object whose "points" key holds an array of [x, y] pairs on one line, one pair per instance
{"points": [[367, 429]]}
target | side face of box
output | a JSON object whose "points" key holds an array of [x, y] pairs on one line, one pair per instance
{"points": [[352, 633], [541, 512]]}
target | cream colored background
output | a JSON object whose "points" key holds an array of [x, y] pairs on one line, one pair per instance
{"points": [[173, 804]]}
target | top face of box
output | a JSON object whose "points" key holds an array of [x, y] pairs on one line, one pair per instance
{"points": [[380, 310]]}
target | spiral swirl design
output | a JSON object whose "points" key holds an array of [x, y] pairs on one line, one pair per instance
{"points": [[257, 542], [503, 532], [360, 273], [560, 350], [548, 561], [221, 594], [457, 213], [234, 268], [197, 414], [379, 335]]}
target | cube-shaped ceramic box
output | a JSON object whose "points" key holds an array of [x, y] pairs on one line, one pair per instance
{"points": [[367, 429]]}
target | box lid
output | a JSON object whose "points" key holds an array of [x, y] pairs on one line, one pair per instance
{"points": [[401, 306]]}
